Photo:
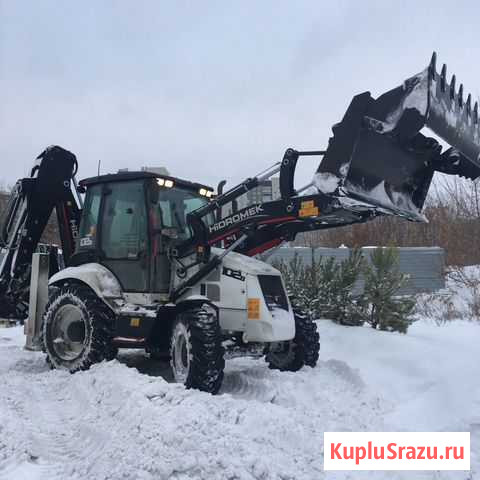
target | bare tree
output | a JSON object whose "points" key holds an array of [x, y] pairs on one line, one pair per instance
{"points": [[453, 212]]}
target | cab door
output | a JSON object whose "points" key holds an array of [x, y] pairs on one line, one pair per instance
{"points": [[124, 245]]}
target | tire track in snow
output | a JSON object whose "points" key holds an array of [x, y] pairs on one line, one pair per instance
{"points": [[49, 409], [18, 371], [257, 425], [63, 427]]}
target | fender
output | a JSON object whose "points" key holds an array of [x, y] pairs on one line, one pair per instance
{"points": [[168, 313], [101, 280], [194, 300]]}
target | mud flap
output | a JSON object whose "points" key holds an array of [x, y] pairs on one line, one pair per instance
{"points": [[377, 154]]}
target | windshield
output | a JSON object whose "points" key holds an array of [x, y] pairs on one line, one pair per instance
{"points": [[172, 206]]}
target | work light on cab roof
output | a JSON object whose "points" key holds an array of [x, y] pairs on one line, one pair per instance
{"points": [[162, 182]]}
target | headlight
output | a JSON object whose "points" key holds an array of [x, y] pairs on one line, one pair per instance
{"points": [[205, 193]]}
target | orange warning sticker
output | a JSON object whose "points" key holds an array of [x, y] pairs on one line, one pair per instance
{"points": [[254, 309], [309, 212], [135, 322]]}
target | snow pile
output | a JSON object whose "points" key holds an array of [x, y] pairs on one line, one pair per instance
{"points": [[114, 422]]}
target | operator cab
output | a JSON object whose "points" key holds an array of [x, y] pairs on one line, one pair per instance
{"points": [[129, 221]]}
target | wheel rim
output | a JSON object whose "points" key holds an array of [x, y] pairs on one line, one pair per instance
{"points": [[69, 332], [181, 353]]}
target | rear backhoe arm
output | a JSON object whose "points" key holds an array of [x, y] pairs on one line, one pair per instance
{"points": [[51, 185]]}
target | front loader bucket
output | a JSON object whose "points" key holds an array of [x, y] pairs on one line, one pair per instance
{"points": [[377, 154]]}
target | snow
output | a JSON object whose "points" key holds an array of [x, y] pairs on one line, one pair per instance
{"points": [[97, 276], [237, 261], [416, 99], [280, 315], [127, 308], [391, 200], [326, 182], [458, 300], [117, 421]]}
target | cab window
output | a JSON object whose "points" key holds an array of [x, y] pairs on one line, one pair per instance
{"points": [[124, 225], [88, 227], [172, 207]]}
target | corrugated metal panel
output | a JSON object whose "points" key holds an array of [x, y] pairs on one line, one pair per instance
{"points": [[425, 266]]}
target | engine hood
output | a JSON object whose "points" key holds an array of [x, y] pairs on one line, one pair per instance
{"points": [[237, 261]]}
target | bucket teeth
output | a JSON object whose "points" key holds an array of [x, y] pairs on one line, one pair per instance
{"points": [[432, 68], [450, 116], [443, 77], [452, 87]]}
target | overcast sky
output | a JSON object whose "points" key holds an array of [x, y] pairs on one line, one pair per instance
{"points": [[209, 89]]}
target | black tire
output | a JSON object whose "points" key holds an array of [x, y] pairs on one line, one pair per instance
{"points": [[196, 352], [303, 350], [77, 329], [111, 352]]}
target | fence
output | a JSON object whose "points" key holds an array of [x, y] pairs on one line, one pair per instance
{"points": [[425, 266]]}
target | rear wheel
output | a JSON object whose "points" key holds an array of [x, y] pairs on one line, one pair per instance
{"points": [[77, 329], [302, 350], [196, 352]]}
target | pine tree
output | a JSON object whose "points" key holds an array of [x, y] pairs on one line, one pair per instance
{"points": [[384, 308], [308, 294], [323, 288], [304, 283], [293, 273], [348, 308], [328, 285]]}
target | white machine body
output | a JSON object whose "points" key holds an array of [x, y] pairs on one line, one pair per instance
{"points": [[250, 295]]}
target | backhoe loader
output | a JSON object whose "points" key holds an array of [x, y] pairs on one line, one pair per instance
{"points": [[153, 262]]}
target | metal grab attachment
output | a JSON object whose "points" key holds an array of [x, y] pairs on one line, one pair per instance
{"points": [[378, 155]]}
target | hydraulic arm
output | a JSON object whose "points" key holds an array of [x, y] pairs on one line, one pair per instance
{"points": [[378, 162], [51, 185]]}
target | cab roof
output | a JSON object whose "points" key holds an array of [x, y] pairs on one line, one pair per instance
{"points": [[140, 175]]}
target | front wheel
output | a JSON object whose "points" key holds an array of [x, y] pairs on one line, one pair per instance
{"points": [[302, 350], [196, 350]]}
